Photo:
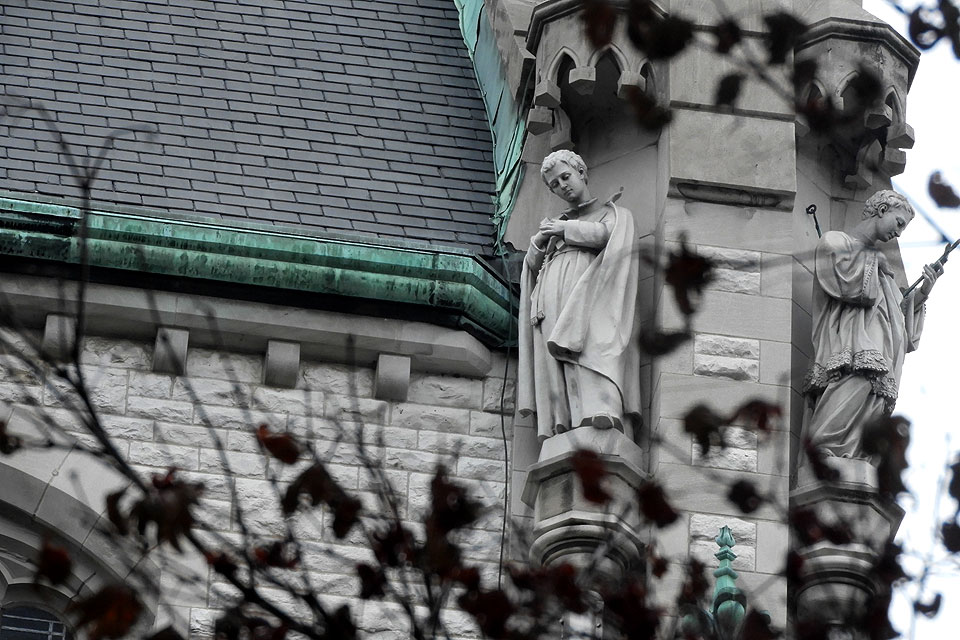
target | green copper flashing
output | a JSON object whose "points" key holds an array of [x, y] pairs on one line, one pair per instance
{"points": [[507, 125], [435, 279]]}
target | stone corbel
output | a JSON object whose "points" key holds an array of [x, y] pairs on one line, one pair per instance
{"points": [[392, 380], [539, 120], [868, 161], [281, 364], [547, 94], [583, 80], [59, 332], [630, 80], [878, 117], [170, 350], [900, 135], [894, 161]]}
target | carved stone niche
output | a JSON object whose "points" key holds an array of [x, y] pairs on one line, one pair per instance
{"points": [[840, 43], [580, 89]]}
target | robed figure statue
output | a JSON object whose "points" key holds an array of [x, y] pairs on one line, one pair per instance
{"points": [[579, 358], [862, 327]]}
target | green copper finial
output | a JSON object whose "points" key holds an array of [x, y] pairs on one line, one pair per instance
{"points": [[728, 601], [725, 537], [725, 616]]}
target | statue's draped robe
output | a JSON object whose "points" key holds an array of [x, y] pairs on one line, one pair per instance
{"points": [[861, 332], [579, 357]]}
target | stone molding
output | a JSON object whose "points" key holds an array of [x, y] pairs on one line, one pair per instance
{"points": [[247, 327]]}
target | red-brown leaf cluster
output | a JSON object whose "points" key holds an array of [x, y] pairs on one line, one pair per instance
{"points": [[282, 446], [340, 625], [650, 115], [599, 19], [659, 36], [591, 470], [928, 26], [491, 610], [929, 609], [728, 90], [108, 613], [875, 621], [316, 483], [236, 624], [659, 343], [8, 443], [783, 32], [758, 415], [54, 564], [941, 192], [743, 493], [886, 568], [450, 506], [950, 534], [793, 570], [695, 584], [809, 528], [687, 273], [393, 546], [818, 463], [886, 440], [706, 427], [728, 35], [221, 562], [654, 505], [628, 605], [372, 581], [756, 626], [657, 563], [166, 505], [279, 555], [555, 582]]}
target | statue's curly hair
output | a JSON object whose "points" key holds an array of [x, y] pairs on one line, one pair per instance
{"points": [[888, 199], [567, 157]]}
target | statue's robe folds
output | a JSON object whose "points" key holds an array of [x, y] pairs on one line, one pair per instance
{"points": [[579, 360], [861, 331]]}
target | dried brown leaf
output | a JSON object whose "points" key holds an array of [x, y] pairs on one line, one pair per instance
{"points": [[591, 471], [54, 564]]}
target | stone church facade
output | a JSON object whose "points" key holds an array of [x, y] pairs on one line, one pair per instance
{"points": [[302, 225]]}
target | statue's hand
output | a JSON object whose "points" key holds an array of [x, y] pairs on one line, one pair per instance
{"points": [[551, 227], [930, 274]]}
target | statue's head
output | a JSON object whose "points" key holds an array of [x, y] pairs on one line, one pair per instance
{"points": [[882, 201], [566, 157]]}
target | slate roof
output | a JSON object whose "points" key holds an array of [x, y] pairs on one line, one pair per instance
{"points": [[353, 116]]}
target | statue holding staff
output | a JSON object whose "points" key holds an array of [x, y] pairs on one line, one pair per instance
{"points": [[579, 358], [862, 327]]}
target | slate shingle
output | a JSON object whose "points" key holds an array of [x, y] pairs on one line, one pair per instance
{"points": [[335, 114]]}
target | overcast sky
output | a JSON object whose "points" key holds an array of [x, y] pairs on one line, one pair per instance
{"points": [[928, 390]]}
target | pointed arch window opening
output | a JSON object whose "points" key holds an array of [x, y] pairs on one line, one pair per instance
{"points": [[28, 622]]}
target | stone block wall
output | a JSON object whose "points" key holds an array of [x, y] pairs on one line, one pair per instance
{"points": [[203, 423], [742, 349]]}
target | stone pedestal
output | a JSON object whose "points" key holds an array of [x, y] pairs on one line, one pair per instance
{"points": [[837, 578], [568, 527]]}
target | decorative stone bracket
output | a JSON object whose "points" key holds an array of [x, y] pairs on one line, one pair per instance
{"points": [[836, 578], [568, 527]]}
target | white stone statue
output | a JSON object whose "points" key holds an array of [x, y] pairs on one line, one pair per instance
{"points": [[862, 327], [579, 358]]}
